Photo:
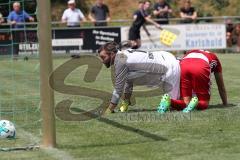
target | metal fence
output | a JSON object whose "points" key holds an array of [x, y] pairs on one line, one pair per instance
{"points": [[232, 28]]}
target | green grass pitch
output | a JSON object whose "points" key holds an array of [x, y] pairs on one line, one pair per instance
{"points": [[213, 134]]}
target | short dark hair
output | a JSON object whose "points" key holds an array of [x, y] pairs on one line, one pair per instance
{"points": [[109, 47]]}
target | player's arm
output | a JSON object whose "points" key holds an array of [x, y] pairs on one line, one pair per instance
{"points": [[112, 106], [128, 91], [221, 87], [135, 16], [148, 19], [121, 71], [146, 30]]}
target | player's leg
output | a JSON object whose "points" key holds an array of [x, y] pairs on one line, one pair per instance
{"points": [[171, 85], [134, 37], [202, 84], [164, 104], [139, 43], [197, 81], [199, 102], [134, 44], [200, 81], [178, 104], [185, 86], [203, 101], [186, 93]]}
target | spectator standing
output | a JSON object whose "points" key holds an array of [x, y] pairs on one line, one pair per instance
{"points": [[139, 18], [73, 16], [100, 12], [188, 13], [237, 34], [18, 16], [162, 10], [229, 29]]}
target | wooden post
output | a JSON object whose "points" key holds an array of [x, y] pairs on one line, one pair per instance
{"points": [[46, 67]]}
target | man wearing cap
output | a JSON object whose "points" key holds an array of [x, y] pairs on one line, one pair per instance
{"points": [[73, 16]]}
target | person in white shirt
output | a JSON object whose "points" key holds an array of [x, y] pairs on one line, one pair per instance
{"points": [[73, 16], [135, 67]]}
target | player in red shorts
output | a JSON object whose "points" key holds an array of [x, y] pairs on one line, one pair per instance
{"points": [[196, 68]]}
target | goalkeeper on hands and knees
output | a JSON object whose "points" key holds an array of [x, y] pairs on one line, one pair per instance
{"points": [[158, 68], [162, 69]]}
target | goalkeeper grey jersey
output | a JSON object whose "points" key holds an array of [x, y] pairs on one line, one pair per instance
{"points": [[135, 67]]}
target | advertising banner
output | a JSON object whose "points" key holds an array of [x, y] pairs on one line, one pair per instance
{"points": [[65, 41], [190, 36], [80, 40]]}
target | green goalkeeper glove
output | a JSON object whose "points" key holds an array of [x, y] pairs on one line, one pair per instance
{"points": [[124, 106]]}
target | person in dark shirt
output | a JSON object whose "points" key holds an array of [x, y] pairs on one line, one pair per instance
{"points": [[162, 11], [188, 13], [139, 18], [100, 12]]}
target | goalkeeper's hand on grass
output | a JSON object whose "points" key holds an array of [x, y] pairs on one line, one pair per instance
{"points": [[124, 106], [110, 108]]}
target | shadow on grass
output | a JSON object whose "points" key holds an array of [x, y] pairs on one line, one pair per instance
{"points": [[69, 146], [125, 127], [132, 129], [142, 110], [215, 106], [221, 106]]}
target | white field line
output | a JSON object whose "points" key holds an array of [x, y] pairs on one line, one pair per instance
{"points": [[52, 152]]}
